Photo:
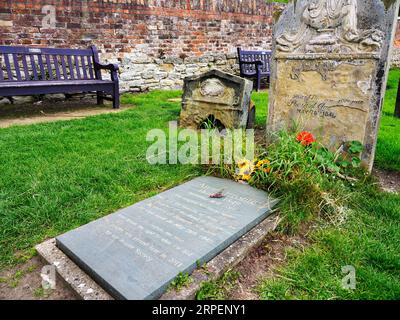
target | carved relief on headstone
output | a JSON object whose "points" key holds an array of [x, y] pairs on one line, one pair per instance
{"points": [[216, 94], [330, 26], [330, 68]]}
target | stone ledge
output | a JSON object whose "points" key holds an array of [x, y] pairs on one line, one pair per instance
{"points": [[70, 273], [87, 289]]}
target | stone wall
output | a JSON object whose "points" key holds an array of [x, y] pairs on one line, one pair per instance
{"points": [[156, 42]]}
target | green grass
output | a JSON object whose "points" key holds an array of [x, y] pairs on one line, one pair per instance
{"points": [[261, 101], [368, 240], [218, 290], [388, 148], [58, 176]]}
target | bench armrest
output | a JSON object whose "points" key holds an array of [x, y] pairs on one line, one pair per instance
{"points": [[111, 66]]}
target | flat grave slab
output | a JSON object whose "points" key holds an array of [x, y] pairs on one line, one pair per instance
{"points": [[137, 252]]}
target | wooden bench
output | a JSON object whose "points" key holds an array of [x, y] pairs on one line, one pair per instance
{"points": [[34, 71], [255, 65]]}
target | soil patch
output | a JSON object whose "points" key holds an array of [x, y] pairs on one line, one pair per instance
{"points": [[389, 181], [53, 110], [262, 262], [24, 282]]}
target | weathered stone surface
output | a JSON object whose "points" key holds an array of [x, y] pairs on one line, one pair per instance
{"points": [[330, 69], [223, 96], [136, 252], [72, 275]]}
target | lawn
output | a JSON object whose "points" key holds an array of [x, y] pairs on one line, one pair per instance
{"points": [[388, 148], [58, 176], [368, 240]]}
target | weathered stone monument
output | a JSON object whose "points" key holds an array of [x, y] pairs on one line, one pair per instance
{"points": [[220, 96], [330, 68]]}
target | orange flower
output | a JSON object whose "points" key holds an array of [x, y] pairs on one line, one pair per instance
{"points": [[305, 138]]}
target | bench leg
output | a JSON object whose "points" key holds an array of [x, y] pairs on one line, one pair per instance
{"points": [[100, 99], [258, 83], [116, 99]]}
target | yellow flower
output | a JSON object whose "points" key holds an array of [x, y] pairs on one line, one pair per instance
{"points": [[262, 163], [244, 163], [245, 169]]}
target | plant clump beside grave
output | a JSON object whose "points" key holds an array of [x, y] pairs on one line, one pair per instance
{"points": [[182, 280], [310, 180], [217, 290]]}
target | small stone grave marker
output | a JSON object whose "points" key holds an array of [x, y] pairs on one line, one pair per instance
{"points": [[137, 252], [220, 96]]}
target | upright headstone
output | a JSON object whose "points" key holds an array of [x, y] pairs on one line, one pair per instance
{"points": [[330, 67], [217, 95]]}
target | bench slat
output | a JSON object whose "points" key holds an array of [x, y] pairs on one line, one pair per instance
{"points": [[1, 71], [78, 71], [56, 67], [16, 67], [8, 67], [46, 83], [25, 66], [41, 66], [85, 74], [44, 51], [90, 68], [71, 68], [34, 70], [49, 68], [64, 68]]}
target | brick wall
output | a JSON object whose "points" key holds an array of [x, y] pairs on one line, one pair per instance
{"points": [[156, 42]]}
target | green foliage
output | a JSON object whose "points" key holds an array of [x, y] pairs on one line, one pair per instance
{"points": [[182, 280], [310, 181], [217, 290], [41, 293]]}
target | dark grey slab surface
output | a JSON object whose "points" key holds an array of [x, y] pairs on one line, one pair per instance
{"points": [[136, 252]]}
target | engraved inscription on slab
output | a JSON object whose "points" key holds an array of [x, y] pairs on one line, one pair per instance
{"points": [[137, 252]]}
